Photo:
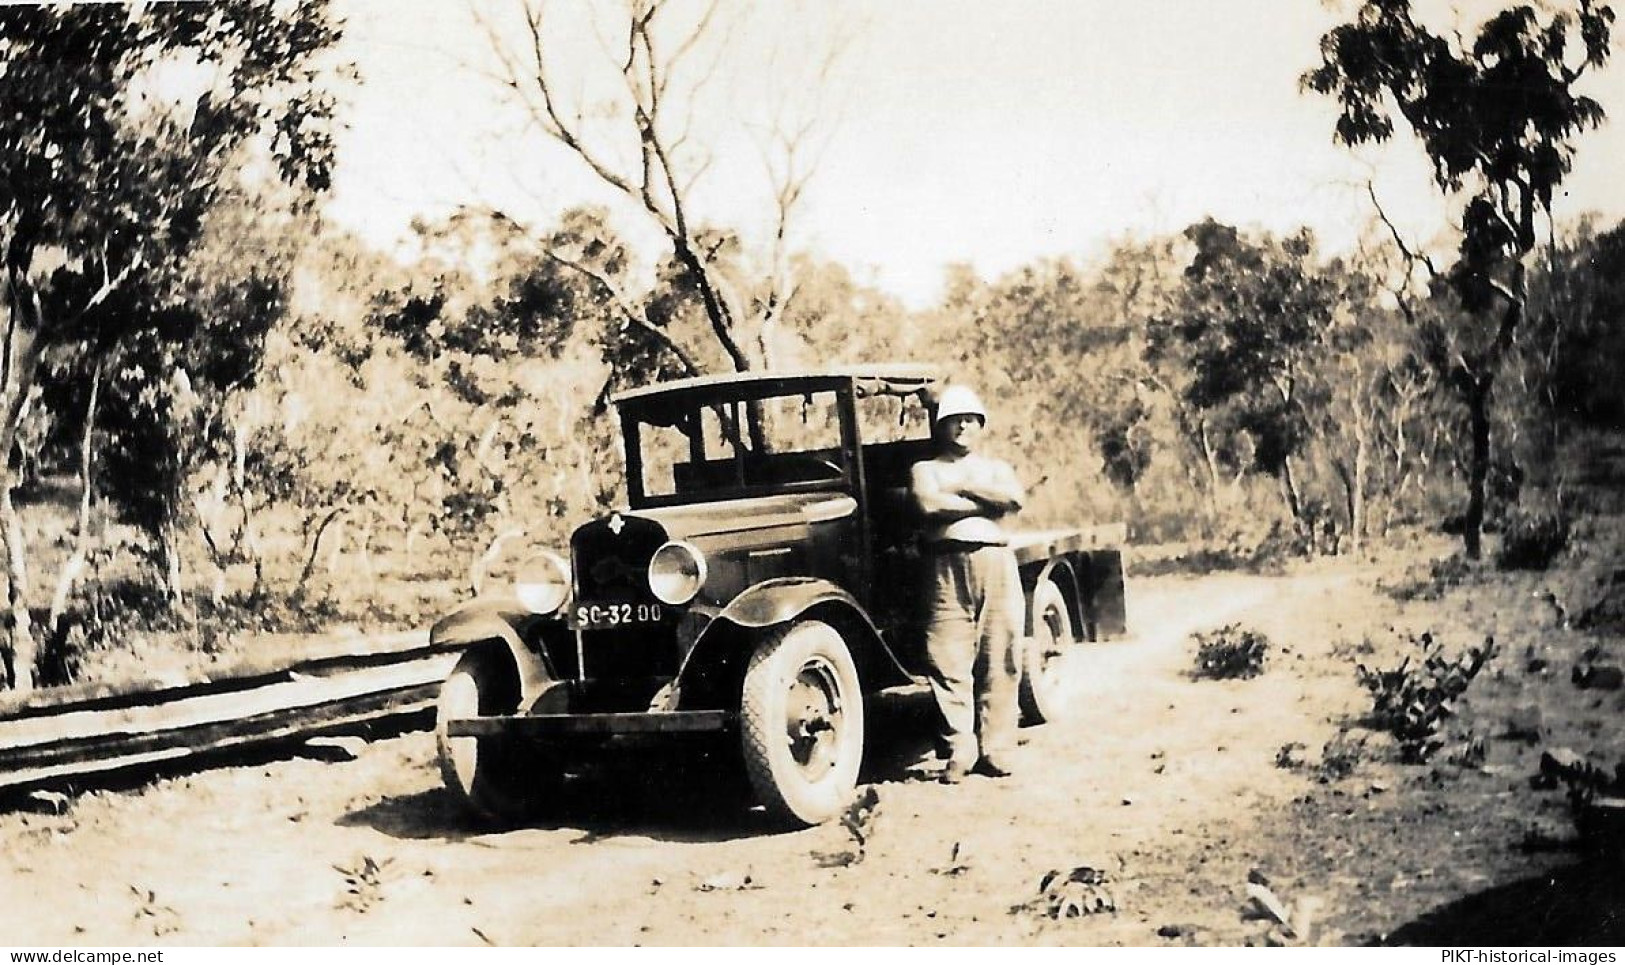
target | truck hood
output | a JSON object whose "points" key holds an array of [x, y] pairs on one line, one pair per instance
{"points": [[741, 515]]}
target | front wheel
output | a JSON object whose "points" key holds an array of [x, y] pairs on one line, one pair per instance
{"points": [[1043, 687], [498, 777], [801, 722]]}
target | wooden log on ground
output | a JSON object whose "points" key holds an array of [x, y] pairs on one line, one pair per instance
{"points": [[77, 741]]}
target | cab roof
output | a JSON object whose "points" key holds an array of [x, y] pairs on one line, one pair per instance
{"points": [[869, 379]]}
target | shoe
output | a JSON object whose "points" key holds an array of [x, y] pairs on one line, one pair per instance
{"points": [[954, 773], [925, 768], [987, 767]]}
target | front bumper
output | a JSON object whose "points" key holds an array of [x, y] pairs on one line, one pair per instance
{"points": [[555, 725]]}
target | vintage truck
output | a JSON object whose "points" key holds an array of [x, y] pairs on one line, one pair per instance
{"points": [[759, 587]]}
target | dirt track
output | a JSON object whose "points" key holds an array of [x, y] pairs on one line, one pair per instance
{"points": [[1166, 783]]}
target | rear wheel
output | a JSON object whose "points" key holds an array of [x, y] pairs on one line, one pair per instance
{"points": [[500, 778], [1043, 691], [801, 722]]}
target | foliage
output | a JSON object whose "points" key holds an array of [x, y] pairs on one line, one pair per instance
{"points": [[1230, 653], [110, 166], [1047, 343], [1341, 756], [1606, 613], [1249, 344], [1227, 557], [1532, 540], [714, 305], [1289, 756], [1578, 332], [364, 878], [1439, 577], [1501, 158], [122, 129], [1415, 698], [108, 610], [1469, 752]]}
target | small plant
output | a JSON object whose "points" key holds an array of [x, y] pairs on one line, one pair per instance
{"points": [[363, 882], [1340, 757], [1607, 612], [160, 918], [859, 821], [1289, 756], [1230, 653], [1470, 752], [1441, 577], [1413, 700], [1350, 651], [1532, 540]]}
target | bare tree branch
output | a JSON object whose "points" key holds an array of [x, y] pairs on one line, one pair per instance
{"points": [[628, 311], [656, 58], [1411, 257], [688, 45]]}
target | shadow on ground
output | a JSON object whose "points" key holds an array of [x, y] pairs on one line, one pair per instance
{"points": [[687, 794], [1580, 904]]}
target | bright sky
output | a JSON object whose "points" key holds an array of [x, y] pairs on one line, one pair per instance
{"points": [[956, 130]]}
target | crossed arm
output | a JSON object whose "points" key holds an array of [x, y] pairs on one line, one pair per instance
{"points": [[1000, 496]]}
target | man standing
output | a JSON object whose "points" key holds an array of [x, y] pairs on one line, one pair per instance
{"points": [[974, 599]]}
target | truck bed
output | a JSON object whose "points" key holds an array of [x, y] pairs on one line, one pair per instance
{"points": [[1034, 546]]}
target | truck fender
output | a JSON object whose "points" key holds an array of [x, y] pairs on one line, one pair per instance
{"points": [[1065, 576], [498, 624], [715, 664], [1100, 580]]}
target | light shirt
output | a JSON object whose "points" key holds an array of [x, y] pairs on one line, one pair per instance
{"points": [[950, 475]]}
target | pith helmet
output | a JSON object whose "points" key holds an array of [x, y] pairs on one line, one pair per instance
{"points": [[960, 400]]}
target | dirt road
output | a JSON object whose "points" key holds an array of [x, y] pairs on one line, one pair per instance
{"points": [[1168, 784]]}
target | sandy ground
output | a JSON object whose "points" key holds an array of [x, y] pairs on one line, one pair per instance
{"points": [[1168, 784]]}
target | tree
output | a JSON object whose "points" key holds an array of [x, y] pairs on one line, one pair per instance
{"points": [[1249, 336], [504, 373], [640, 141], [120, 128], [1580, 328], [1498, 118]]}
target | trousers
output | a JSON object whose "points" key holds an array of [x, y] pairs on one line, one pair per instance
{"points": [[974, 618]]}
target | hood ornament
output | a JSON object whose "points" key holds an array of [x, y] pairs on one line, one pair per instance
{"points": [[616, 523]]}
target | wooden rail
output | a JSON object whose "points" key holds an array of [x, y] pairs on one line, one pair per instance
{"points": [[82, 741]]}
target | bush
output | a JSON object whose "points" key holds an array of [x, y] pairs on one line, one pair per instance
{"points": [[1230, 653], [1289, 756], [1531, 541], [1606, 614], [102, 616], [1340, 757], [1413, 700], [1442, 576]]}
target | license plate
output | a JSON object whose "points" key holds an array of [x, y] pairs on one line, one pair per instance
{"points": [[601, 616]]}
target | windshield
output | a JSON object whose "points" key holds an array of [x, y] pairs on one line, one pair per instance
{"points": [[739, 447]]}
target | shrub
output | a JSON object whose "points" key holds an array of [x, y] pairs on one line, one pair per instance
{"points": [[1470, 752], [107, 610], [1532, 540], [1442, 576], [1607, 613], [1340, 757], [1289, 756], [1230, 653], [1413, 700]]}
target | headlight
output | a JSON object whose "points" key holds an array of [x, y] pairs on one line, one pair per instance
{"points": [[542, 583], [676, 572]]}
